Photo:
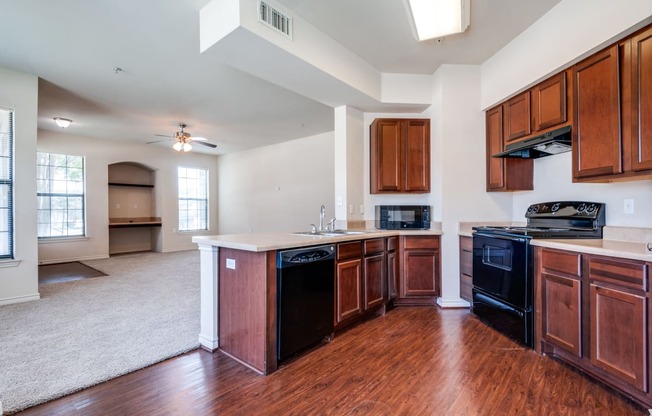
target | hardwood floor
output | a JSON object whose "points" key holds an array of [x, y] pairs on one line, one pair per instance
{"points": [[412, 361]]}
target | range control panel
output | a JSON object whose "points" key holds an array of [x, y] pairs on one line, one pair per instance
{"points": [[565, 209]]}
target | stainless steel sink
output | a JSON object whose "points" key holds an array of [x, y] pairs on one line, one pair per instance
{"points": [[334, 233]]}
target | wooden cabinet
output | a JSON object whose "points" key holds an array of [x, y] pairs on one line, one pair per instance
{"points": [[612, 126], [596, 125], [348, 281], [619, 327], [392, 270], [466, 268], [517, 117], [374, 272], [549, 103], [504, 174], [593, 312], [561, 312], [641, 101], [420, 279], [400, 156]]}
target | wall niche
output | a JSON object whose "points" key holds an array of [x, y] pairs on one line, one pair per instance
{"points": [[133, 224]]}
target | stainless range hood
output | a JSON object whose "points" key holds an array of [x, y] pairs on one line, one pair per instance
{"points": [[550, 143]]}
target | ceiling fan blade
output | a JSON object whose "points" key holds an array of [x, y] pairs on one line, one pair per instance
{"points": [[200, 139], [157, 141], [211, 145], [164, 135]]}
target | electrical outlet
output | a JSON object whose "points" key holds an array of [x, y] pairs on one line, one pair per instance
{"points": [[230, 264], [340, 201], [350, 209], [628, 206], [117, 206], [361, 209]]}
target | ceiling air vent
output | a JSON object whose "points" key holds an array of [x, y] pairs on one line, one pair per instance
{"points": [[274, 18]]}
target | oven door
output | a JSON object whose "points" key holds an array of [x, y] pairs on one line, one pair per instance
{"points": [[502, 268]]}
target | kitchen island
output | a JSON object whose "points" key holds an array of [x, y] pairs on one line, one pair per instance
{"points": [[239, 290]]}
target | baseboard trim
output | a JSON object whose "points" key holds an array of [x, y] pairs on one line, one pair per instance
{"points": [[209, 344], [70, 259], [452, 303], [20, 299]]}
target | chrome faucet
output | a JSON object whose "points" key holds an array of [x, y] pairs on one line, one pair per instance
{"points": [[322, 214]]}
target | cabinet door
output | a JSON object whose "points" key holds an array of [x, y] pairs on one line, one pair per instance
{"points": [[420, 269], [549, 103], [517, 117], [417, 156], [495, 166], [386, 153], [348, 289], [561, 312], [392, 275], [642, 101], [596, 125], [374, 278], [618, 334]]}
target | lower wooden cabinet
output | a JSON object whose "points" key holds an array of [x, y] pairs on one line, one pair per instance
{"points": [[466, 268], [420, 279], [374, 273], [348, 281], [392, 270], [594, 313]]}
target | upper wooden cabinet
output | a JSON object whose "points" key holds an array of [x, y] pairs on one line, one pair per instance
{"points": [[596, 125], [641, 49], [549, 103], [612, 126], [517, 117], [536, 110], [504, 174], [400, 156]]}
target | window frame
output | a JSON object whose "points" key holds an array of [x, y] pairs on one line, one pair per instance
{"points": [[206, 200], [66, 195], [11, 235]]}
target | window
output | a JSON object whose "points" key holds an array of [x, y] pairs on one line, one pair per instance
{"points": [[193, 199], [6, 184], [60, 193]]}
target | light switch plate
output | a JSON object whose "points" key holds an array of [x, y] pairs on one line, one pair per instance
{"points": [[628, 206]]}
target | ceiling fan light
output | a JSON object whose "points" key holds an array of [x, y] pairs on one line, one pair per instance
{"points": [[177, 146], [187, 147], [437, 18], [62, 122]]}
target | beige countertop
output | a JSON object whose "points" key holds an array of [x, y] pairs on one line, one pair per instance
{"points": [[614, 248], [284, 240]]}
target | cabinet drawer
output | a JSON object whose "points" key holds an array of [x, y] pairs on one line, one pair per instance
{"points": [[631, 274], [420, 242], [374, 245], [392, 243], [562, 261], [349, 250], [466, 243]]}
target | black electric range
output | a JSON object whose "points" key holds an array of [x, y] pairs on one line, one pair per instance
{"points": [[503, 268]]}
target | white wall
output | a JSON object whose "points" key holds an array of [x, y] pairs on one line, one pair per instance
{"points": [[581, 26], [19, 92], [99, 154], [278, 187]]}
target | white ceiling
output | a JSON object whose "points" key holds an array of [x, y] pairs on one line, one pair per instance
{"points": [[74, 46]]}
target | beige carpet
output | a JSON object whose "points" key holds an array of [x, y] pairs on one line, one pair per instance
{"points": [[87, 331]]}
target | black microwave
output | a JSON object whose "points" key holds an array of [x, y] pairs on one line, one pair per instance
{"points": [[400, 217]]}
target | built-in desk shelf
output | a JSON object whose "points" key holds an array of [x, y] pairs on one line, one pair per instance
{"points": [[134, 222], [137, 185]]}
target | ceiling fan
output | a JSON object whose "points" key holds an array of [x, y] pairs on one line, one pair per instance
{"points": [[183, 140]]}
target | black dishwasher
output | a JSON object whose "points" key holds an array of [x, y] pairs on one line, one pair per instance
{"points": [[306, 297]]}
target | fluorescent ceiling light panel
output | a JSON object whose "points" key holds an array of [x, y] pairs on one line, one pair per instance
{"points": [[437, 18]]}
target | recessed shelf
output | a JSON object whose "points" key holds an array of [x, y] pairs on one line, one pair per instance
{"points": [[138, 185]]}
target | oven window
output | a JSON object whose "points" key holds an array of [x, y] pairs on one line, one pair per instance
{"points": [[499, 257]]}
